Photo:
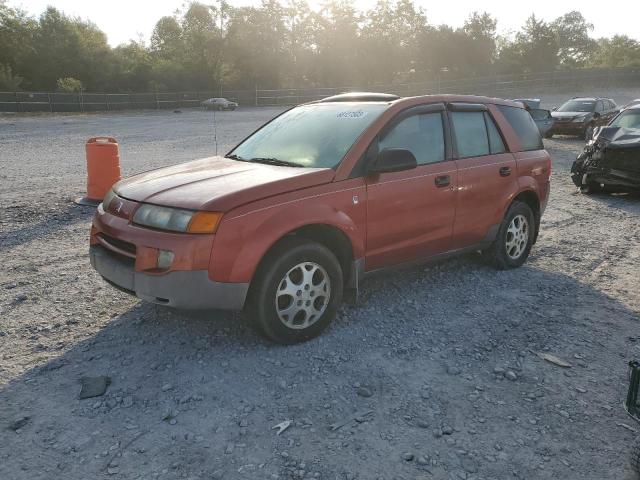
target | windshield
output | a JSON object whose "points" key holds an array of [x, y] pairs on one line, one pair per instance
{"points": [[317, 135], [628, 119], [577, 106]]}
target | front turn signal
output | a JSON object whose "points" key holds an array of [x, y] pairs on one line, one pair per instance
{"points": [[204, 222]]}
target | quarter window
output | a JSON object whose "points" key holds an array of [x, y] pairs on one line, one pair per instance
{"points": [[421, 134], [470, 133], [524, 126]]}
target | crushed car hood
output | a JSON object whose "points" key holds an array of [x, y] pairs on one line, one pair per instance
{"points": [[218, 183], [618, 137], [611, 158]]}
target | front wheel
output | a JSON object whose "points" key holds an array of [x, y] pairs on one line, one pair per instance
{"points": [[515, 237], [296, 292]]}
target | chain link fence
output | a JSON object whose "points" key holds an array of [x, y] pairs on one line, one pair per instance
{"points": [[505, 86]]}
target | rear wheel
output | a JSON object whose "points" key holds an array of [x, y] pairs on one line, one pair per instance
{"points": [[296, 292], [515, 237]]}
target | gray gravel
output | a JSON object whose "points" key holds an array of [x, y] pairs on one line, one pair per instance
{"points": [[435, 374]]}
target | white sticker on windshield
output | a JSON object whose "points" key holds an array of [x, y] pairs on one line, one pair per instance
{"points": [[354, 114]]}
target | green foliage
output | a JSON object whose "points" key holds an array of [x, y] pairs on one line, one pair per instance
{"points": [[8, 81], [69, 85], [280, 45], [572, 37], [619, 51]]}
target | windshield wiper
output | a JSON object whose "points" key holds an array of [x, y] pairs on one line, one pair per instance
{"points": [[233, 156], [274, 161]]}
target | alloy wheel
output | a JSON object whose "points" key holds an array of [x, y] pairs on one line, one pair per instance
{"points": [[303, 295], [517, 237]]}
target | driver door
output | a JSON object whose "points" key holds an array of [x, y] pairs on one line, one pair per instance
{"points": [[410, 213]]}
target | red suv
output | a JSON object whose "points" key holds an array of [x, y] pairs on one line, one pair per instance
{"points": [[322, 195]]}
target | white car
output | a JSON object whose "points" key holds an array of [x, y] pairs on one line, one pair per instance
{"points": [[218, 104]]}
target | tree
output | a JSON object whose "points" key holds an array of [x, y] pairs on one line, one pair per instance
{"points": [[69, 85], [535, 46], [391, 31], [619, 51], [8, 81], [480, 45], [572, 37]]}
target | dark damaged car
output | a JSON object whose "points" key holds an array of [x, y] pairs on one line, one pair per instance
{"points": [[611, 160]]}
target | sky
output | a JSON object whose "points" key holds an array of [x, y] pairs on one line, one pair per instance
{"points": [[123, 20]]}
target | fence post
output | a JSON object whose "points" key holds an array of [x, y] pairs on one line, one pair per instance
{"points": [[50, 106], [106, 101], [17, 101], [256, 94]]}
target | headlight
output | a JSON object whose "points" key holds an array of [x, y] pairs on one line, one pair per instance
{"points": [[108, 198], [176, 219], [581, 119]]}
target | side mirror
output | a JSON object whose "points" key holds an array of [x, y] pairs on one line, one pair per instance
{"points": [[596, 114], [394, 160], [554, 108]]}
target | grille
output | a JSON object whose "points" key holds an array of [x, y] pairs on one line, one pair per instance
{"points": [[127, 247]]}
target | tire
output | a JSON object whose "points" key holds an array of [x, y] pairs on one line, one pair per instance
{"points": [[635, 457], [282, 317], [515, 237], [590, 188]]}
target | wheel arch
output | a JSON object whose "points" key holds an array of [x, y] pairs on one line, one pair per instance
{"points": [[330, 236], [530, 197]]}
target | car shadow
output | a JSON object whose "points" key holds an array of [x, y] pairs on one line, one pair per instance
{"points": [[182, 382], [626, 201]]}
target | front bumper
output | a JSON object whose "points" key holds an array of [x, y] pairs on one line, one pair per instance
{"points": [[188, 289], [567, 128]]}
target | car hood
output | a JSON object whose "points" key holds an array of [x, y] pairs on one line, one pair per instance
{"points": [[217, 183], [569, 114]]}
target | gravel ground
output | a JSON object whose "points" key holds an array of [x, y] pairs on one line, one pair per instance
{"points": [[435, 374]]}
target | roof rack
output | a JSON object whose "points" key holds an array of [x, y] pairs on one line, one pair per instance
{"points": [[361, 97]]}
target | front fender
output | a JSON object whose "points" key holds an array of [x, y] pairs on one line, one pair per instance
{"points": [[246, 236]]}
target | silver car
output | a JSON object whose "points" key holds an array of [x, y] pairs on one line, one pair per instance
{"points": [[218, 104], [541, 117]]}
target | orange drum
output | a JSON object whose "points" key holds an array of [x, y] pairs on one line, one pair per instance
{"points": [[103, 166]]}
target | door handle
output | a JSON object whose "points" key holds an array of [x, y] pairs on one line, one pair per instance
{"points": [[442, 180], [505, 171]]}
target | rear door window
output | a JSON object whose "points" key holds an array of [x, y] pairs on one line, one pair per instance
{"points": [[471, 134], [539, 114], [422, 135], [524, 126], [496, 145]]}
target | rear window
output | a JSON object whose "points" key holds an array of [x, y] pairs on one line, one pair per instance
{"points": [[524, 126]]}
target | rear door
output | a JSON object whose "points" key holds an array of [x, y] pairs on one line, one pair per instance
{"points": [[543, 119], [410, 213], [486, 172]]}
